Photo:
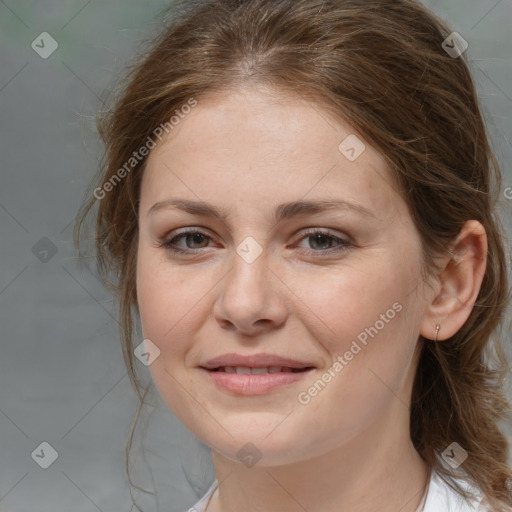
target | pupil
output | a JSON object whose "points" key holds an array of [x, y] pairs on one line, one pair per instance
{"points": [[318, 239], [196, 238]]}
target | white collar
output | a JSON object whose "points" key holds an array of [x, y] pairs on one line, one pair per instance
{"points": [[440, 498]]}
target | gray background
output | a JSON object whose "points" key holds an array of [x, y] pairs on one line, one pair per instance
{"points": [[62, 377]]}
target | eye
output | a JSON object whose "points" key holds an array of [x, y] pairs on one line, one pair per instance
{"points": [[321, 241], [193, 240]]}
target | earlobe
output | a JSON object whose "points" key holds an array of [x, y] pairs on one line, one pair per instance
{"points": [[459, 284]]}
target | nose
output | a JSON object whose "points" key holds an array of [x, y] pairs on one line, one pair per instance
{"points": [[251, 298]]}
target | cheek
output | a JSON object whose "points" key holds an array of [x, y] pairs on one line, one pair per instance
{"points": [[172, 301], [157, 293], [151, 296], [341, 304], [166, 304], [368, 318]]}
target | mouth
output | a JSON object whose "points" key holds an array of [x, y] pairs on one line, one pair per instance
{"points": [[247, 370], [254, 375]]}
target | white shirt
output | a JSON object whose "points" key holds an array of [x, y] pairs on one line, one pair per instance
{"points": [[440, 498]]}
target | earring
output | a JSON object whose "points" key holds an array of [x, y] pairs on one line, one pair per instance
{"points": [[437, 330]]}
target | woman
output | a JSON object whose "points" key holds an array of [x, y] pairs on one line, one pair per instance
{"points": [[298, 201]]}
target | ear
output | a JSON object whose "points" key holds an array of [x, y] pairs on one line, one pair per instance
{"points": [[458, 283]]}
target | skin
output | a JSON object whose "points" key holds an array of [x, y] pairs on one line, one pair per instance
{"points": [[349, 448]]}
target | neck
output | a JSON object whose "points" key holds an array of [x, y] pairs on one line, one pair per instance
{"points": [[378, 469]]}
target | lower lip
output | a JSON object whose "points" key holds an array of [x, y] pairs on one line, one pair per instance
{"points": [[257, 384]]}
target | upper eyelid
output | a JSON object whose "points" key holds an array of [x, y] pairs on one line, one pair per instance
{"points": [[306, 230]]}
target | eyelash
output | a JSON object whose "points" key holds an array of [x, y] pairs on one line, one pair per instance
{"points": [[343, 244]]}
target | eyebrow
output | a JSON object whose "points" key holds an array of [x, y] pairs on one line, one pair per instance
{"points": [[281, 212]]}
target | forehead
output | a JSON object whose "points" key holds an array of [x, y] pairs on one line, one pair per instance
{"points": [[269, 147]]}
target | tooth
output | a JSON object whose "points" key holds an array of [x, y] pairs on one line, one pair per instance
{"points": [[257, 371], [243, 370], [229, 369], [274, 369]]}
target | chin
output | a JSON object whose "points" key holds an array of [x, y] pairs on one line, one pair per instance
{"points": [[256, 447]]}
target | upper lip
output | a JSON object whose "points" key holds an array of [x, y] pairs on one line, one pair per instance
{"points": [[254, 361]]}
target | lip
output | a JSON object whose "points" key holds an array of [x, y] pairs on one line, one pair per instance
{"points": [[254, 384], [254, 361]]}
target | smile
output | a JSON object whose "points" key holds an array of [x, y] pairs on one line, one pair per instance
{"points": [[245, 370], [243, 380]]}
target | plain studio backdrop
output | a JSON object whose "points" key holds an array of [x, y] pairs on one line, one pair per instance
{"points": [[62, 377]]}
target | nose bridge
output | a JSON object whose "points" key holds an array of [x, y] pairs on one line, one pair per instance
{"points": [[248, 279], [250, 293]]}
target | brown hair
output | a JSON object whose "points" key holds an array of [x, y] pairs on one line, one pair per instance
{"points": [[379, 65]]}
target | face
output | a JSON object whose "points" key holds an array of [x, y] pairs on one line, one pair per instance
{"points": [[291, 327]]}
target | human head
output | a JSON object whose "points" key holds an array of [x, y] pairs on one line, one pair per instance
{"points": [[384, 71]]}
